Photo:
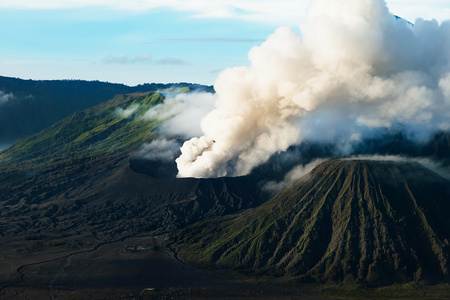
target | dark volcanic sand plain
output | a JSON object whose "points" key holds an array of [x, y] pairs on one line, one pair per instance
{"points": [[85, 229], [89, 235], [132, 268]]}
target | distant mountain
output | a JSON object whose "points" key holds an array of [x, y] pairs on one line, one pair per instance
{"points": [[439, 147], [398, 143], [385, 142], [349, 221], [28, 106]]}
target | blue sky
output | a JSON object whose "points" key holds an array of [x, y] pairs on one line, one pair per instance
{"points": [[139, 41]]}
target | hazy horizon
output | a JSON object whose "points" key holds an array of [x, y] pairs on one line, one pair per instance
{"points": [[136, 42]]}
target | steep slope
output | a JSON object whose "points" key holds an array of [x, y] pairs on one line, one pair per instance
{"points": [[350, 221], [97, 130], [28, 106]]}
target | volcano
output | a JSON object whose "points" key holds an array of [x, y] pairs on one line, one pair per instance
{"points": [[82, 175], [349, 221], [76, 189], [85, 186]]}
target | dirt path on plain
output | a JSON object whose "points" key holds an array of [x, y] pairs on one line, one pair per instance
{"points": [[131, 268]]}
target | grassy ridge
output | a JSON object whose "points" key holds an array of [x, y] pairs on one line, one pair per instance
{"points": [[37, 104], [105, 128]]}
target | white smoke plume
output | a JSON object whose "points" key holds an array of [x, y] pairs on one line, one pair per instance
{"points": [[181, 113], [355, 67], [164, 150]]}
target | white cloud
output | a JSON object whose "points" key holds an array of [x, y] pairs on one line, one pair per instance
{"points": [[428, 10], [142, 59], [220, 39], [171, 61], [289, 12], [283, 12]]}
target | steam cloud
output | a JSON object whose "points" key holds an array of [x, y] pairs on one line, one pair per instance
{"points": [[181, 113], [164, 150], [356, 67]]}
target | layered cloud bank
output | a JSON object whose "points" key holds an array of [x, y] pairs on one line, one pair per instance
{"points": [[355, 67]]}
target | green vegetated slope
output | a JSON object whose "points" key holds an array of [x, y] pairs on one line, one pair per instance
{"points": [[39, 173], [29, 106], [73, 152], [111, 127], [350, 221]]}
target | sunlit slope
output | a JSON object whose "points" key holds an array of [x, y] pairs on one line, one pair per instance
{"points": [[110, 127], [350, 221], [32, 105]]}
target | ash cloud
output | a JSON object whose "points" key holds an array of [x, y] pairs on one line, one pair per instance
{"points": [[355, 68]]}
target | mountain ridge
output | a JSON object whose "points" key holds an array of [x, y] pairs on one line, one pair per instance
{"points": [[33, 105], [88, 131]]}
